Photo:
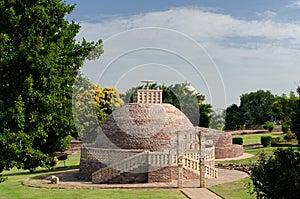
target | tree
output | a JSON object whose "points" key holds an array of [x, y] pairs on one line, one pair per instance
{"points": [[91, 107], [277, 176], [217, 120], [205, 115], [256, 107], [233, 118], [39, 61], [295, 120]]}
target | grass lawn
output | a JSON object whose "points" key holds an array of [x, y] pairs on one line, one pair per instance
{"points": [[255, 152], [13, 188], [233, 190], [255, 138]]}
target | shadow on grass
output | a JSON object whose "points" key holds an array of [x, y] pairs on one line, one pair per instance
{"points": [[65, 168]]}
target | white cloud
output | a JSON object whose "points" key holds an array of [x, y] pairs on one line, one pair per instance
{"points": [[294, 4], [268, 14], [250, 54]]}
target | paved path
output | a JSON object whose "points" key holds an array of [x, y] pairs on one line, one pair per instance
{"points": [[244, 156], [190, 186], [199, 193]]}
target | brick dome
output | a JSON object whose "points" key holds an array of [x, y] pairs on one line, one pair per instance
{"points": [[144, 126]]}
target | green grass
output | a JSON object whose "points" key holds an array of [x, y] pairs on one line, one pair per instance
{"points": [[238, 189], [255, 152], [233, 190], [255, 138], [13, 188]]}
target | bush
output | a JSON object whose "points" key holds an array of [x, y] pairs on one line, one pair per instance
{"points": [[237, 140], [275, 140], [269, 126], [290, 136], [285, 127], [265, 140], [276, 176]]}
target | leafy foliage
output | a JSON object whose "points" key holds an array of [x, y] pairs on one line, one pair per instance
{"points": [[289, 136], [217, 120], [265, 140], [92, 104], [256, 107], [39, 61], [237, 140], [259, 107], [295, 121], [233, 118], [285, 127], [277, 176], [269, 126]]}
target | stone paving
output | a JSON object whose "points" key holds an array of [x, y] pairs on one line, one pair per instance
{"points": [[191, 187]]}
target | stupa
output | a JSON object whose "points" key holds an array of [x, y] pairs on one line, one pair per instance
{"points": [[142, 142]]}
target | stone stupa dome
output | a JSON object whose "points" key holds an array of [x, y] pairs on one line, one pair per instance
{"points": [[149, 126]]}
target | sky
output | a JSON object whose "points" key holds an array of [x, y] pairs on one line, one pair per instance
{"points": [[223, 48]]}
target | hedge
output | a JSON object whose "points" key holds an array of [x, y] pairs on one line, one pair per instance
{"points": [[237, 140], [265, 140]]}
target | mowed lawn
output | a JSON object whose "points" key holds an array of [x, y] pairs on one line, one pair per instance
{"points": [[255, 138], [233, 190], [238, 189], [13, 188]]}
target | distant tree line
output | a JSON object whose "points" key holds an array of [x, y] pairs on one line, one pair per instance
{"points": [[257, 108]]}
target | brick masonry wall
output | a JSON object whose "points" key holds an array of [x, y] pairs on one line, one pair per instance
{"points": [[230, 151], [87, 167], [167, 174]]}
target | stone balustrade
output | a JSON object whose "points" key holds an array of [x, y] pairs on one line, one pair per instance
{"points": [[122, 166], [107, 156], [119, 161]]}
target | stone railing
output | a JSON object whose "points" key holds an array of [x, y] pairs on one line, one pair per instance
{"points": [[210, 172], [107, 156], [110, 156], [120, 167], [161, 159], [122, 160], [194, 154]]}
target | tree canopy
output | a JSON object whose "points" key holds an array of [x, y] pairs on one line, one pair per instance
{"points": [[277, 176], [39, 61], [257, 108], [91, 106]]}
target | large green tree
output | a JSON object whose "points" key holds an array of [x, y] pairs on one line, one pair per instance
{"points": [[233, 118], [91, 106], [256, 107], [39, 61], [277, 176]]}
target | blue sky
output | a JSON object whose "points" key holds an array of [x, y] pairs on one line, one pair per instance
{"points": [[224, 48]]}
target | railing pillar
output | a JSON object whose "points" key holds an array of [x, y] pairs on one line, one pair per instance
{"points": [[180, 173]]}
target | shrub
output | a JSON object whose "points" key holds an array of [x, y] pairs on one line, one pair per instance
{"points": [[237, 140], [269, 126], [275, 140], [285, 127], [276, 176], [290, 136], [265, 140]]}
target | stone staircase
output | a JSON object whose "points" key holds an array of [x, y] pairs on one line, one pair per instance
{"points": [[116, 169], [147, 158], [210, 172]]}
